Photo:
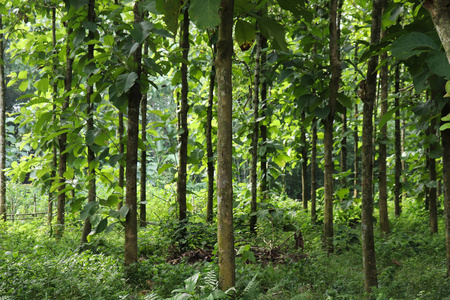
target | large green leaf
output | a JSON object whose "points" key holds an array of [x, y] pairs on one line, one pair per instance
{"points": [[438, 63], [125, 82], [171, 11], [244, 33], [412, 44], [141, 31], [205, 13], [273, 31], [88, 210]]}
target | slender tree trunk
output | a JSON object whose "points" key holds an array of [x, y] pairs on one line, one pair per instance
{"points": [[383, 140], [355, 150], [184, 107], [121, 131], [304, 152], [2, 127], [313, 170], [134, 99], [92, 194], [143, 198], [263, 128], [440, 13], [209, 146], [370, 269], [225, 236], [328, 128], [62, 144], [445, 138], [255, 137], [344, 148], [432, 179], [398, 147]]}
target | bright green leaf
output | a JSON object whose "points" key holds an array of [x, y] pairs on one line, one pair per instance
{"points": [[245, 34], [205, 13], [125, 82]]}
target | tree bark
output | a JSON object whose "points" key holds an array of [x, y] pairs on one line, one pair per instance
{"points": [[398, 147], [328, 129], [184, 107], [225, 236], [255, 137], [2, 127], [356, 160], [134, 99], [383, 140], [313, 170], [209, 146], [432, 179], [445, 137], [121, 131], [304, 152], [143, 190], [60, 215], [263, 128], [370, 270], [344, 148], [440, 13], [92, 193]]}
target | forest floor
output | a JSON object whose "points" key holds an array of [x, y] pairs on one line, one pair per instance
{"points": [[283, 261]]}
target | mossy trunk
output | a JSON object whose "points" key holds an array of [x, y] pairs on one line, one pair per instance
{"points": [[225, 236]]}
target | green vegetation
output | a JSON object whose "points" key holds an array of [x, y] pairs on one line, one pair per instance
{"points": [[35, 266]]}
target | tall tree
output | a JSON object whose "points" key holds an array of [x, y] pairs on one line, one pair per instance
{"points": [[225, 236], [313, 171], [328, 128], [356, 155], [134, 100], [2, 125], [398, 146], [62, 166], [432, 176], [143, 190], [304, 153], [255, 136], [263, 128], [209, 146], [92, 192], [383, 140], [184, 107], [370, 270]]}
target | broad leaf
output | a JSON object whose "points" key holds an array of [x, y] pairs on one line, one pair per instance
{"points": [[438, 63], [88, 210], [204, 13], [125, 82], [412, 44], [244, 33], [273, 31], [101, 226]]}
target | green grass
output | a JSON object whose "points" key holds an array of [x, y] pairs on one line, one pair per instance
{"points": [[410, 262]]}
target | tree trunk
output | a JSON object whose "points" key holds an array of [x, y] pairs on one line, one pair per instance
{"points": [[2, 127], [440, 13], [263, 128], [92, 193], [134, 99], [255, 137], [328, 129], [370, 269], [304, 152], [121, 131], [225, 236], [62, 144], [398, 147], [344, 148], [184, 107], [143, 198], [209, 146], [445, 137], [432, 179], [356, 160], [383, 140], [313, 170]]}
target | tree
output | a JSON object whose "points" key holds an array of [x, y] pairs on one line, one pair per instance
{"points": [[370, 270], [92, 192], [255, 135], [2, 125], [184, 107], [225, 236], [398, 148], [134, 100], [328, 128], [209, 144], [143, 190]]}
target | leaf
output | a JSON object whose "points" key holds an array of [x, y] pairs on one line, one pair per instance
{"points": [[108, 40], [164, 167], [123, 211], [387, 116], [88, 210], [438, 63], [446, 118], [78, 3], [114, 214], [342, 193], [79, 37], [125, 82], [345, 100], [322, 113], [444, 126], [204, 13], [141, 31], [447, 89], [274, 32], [101, 226], [171, 11], [245, 34], [110, 228], [412, 44]]}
